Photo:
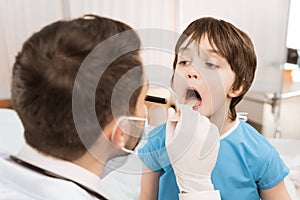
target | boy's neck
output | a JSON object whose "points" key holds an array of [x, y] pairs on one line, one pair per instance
{"points": [[228, 124], [223, 122], [224, 125]]}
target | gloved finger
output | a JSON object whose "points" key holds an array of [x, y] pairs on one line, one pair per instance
{"points": [[171, 112], [170, 127]]}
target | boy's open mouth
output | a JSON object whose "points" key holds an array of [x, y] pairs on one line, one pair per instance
{"points": [[193, 98]]}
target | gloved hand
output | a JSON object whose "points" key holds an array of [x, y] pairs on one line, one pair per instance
{"points": [[192, 144]]}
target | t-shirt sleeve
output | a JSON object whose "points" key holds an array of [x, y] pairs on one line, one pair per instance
{"points": [[153, 154], [272, 172]]}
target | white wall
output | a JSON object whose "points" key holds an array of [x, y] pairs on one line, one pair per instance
{"points": [[18, 20], [265, 22]]}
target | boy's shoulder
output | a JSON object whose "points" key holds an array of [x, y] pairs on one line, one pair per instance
{"points": [[248, 129], [249, 138]]}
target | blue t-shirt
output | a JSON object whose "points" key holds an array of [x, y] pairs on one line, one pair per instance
{"points": [[246, 162]]}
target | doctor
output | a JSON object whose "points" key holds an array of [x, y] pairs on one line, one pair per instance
{"points": [[64, 158], [55, 95]]}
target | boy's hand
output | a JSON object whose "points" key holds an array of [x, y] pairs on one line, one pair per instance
{"points": [[192, 144]]}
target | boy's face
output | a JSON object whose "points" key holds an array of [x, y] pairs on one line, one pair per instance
{"points": [[203, 79]]}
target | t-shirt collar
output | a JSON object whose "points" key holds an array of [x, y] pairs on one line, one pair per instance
{"points": [[236, 124]]}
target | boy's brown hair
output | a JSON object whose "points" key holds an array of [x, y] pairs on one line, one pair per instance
{"points": [[232, 44]]}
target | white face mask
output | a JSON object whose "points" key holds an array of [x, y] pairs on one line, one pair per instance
{"points": [[128, 125]]}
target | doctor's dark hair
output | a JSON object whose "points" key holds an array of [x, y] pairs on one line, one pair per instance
{"points": [[43, 81], [230, 43]]}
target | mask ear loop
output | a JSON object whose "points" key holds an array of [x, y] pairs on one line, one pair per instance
{"points": [[146, 116], [133, 119]]}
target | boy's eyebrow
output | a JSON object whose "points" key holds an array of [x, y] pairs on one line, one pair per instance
{"points": [[213, 51], [182, 49]]}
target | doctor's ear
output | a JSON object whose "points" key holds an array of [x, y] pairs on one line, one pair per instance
{"points": [[236, 92], [118, 137]]}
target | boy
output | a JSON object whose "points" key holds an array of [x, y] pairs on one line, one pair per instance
{"points": [[214, 67]]}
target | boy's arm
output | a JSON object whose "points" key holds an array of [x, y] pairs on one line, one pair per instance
{"points": [[277, 192], [149, 184]]}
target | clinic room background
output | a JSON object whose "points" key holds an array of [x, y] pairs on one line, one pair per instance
{"points": [[267, 23], [273, 102]]}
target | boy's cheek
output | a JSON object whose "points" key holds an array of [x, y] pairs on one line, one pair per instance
{"points": [[179, 86]]}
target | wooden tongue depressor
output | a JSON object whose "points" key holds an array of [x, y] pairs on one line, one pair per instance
{"points": [[164, 98]]}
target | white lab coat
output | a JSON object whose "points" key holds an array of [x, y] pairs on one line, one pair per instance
{"points": [[19, 182]]}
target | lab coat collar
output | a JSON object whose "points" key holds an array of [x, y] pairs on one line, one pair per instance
{"points": [[61, 168]]}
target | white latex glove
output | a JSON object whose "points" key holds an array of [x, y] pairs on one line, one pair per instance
{"points": [[192, 145]]}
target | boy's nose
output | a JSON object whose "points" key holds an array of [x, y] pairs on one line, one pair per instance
{"points": [[192, 75]]}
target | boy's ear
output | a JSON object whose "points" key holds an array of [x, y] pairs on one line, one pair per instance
{"points": [[235, 93]]}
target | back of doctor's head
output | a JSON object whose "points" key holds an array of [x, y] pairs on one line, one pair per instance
{"points": [[230, 43], [43, 78]]}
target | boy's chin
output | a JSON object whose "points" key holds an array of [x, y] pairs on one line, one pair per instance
{"points": [[200, 110]]}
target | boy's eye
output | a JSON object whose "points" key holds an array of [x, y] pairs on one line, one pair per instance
{"points": [[184, 62], [211, 65]]}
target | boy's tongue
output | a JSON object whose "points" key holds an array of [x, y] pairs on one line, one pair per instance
{"points": [[192, 102]]}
